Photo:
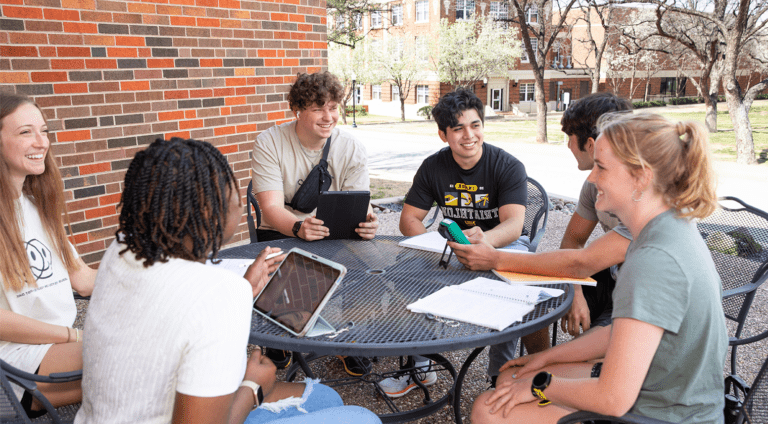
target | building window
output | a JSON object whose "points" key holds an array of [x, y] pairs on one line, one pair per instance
{"points": [[395, 93], [397, 14], [398, 48], [422, 48], [527, 92], [500, 13], [339, 22], [357, 18], [465, 9], [422, 94], [422, 11], [535, 44], [376, 19], [376, 92], [532, 14], [670, 86]]}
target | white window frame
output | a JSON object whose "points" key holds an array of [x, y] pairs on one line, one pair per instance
{"points": [[422, 94], [376, 92], [465, 8], [422, 47], [530, 12], [527, 92], [500, 12], [376, 19], [422, 11], [397, 15], [395, 93], [357, 19], [535, 44], [340, 22]]}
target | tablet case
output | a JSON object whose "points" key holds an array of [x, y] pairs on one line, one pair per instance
{"points": [[342, 212]]}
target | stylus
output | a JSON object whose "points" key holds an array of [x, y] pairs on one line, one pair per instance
{"points": [[272, 255]]}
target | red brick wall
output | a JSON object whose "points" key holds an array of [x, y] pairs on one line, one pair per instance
{"points": [[112, 76]]}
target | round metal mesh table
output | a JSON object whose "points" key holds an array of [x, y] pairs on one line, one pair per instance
{"points": [[382, 279]]}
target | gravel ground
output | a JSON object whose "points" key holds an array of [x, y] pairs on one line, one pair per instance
{"points": [[749, 358]]}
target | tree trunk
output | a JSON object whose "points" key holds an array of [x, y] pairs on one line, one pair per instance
{"points": [[710, 119], [745, 147], [541, 109], [402, 108]]}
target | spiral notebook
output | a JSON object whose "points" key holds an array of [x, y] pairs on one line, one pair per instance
{"points": [[484, 302]]}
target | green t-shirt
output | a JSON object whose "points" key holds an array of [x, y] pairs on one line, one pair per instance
{"points": [[669, 280]]}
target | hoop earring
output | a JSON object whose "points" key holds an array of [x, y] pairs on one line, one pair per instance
{"points": [[642, 193]]}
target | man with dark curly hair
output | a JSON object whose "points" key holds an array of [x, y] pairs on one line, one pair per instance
{"points": [[284, 155]]}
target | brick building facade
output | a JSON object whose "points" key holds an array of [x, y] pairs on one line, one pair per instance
{"points": [[112, 76]]}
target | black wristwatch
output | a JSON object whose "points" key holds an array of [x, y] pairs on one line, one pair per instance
{"points": [[296, 228], [540, 382]]}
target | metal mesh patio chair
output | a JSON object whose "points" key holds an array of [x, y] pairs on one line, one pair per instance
{"points": [[737, 236], [754, 408], [537, 208], [251, 209], [11, 411]]}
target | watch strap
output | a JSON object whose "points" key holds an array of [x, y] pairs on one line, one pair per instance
{"points": [[540, 382], [258, 393], [296, 228]]}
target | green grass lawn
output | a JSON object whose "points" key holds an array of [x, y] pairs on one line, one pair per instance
{"points": [[723, 142]]}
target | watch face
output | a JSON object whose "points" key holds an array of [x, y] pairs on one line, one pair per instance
{"points": [[540, 380]]}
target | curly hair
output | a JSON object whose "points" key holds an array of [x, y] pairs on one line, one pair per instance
{"points": [[175, 201], [581, 117], [677, 153], [46, 192], [453, 104], [317, 88]]}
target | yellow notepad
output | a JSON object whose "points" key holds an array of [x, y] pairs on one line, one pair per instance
{"points": [[520, 278]]}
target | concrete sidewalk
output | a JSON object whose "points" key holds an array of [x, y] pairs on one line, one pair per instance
{"points": [[397, 156]]}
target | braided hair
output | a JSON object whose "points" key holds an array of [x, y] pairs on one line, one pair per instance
{"points": [[175, 201]]}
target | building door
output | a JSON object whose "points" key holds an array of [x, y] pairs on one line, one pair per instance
{"points": [[497, 94]]}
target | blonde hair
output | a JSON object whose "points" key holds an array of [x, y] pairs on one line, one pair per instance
{"points": [[677, 153], [46, 192]]}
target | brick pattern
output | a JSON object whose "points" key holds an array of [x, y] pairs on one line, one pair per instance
{"points": [[112, 76]]}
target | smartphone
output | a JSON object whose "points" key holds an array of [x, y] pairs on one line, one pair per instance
{"points": [[451, 231]]}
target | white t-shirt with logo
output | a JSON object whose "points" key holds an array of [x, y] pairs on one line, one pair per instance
{"points": [[51, 301]]}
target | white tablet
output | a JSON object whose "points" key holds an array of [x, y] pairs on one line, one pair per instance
{"points": [[298, 291]]}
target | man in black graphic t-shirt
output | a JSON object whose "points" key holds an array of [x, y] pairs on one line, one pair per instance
{"points": [[473, 183], [476, 185]]}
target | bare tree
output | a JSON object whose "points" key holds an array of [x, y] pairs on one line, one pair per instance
{"points": [[600, 27], [549, 22], [718, 32]]}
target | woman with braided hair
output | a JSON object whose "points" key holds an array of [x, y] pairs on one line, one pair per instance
{"points": [[39, 266], [167, 334], [663, 355]]}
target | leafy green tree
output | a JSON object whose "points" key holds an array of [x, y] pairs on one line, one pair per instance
{"points": [[473, 49]]}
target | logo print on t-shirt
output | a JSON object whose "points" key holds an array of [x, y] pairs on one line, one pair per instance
{"points": [[40, 260], [451, 198], [466, 199], [482, 200]]}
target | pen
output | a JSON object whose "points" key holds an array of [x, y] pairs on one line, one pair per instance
{"points": [[272, 255]]}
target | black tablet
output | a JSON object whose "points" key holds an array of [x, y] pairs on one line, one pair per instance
{"points": [[343, 211]]}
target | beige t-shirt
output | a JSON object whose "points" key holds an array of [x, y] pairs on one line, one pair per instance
{"points": [[280, 163]]}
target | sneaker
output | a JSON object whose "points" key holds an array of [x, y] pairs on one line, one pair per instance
{"points": [[396, 387], [281, 358], [356, 366]]}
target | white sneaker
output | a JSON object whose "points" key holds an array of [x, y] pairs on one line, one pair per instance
{"points": [[396, 387]]}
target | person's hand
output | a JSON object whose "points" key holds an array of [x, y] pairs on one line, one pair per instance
{"points": [[368, 228], [312, 229], [478, 256], [261, 371], [258, 273], [577, 316], [526, 364], [510, 394]]}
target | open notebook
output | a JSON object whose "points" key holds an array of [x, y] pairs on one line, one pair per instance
{"points": [[485, 302]]}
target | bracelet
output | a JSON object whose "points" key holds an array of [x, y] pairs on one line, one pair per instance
{"points": [[77, 336]]}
